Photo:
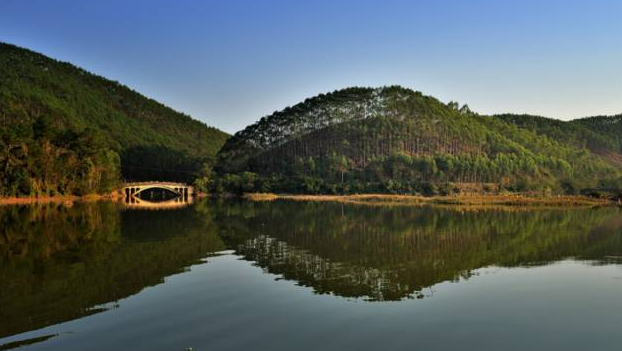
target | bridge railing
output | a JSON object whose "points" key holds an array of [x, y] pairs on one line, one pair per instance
{"points": [[155, 183]]}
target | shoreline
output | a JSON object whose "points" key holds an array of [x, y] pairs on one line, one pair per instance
{"points": [[515, 200], [507, 200], [59, 199]]}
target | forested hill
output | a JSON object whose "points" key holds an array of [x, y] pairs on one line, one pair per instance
{"points": [[65, 130], [602, 135], [607, 126], [396, 140]]}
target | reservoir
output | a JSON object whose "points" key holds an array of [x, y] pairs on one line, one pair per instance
{"points": [[287, 275]]}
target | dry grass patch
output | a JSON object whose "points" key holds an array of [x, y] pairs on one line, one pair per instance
{"points": [[462, 200]]}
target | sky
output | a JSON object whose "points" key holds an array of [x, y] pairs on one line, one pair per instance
{"points": [[230, 62]]}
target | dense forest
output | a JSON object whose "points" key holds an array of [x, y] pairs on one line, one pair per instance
{"points": [[600, 135], [64, 130], [396, 140]]}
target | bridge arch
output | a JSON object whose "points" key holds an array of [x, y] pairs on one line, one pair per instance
{"points": [[180, 189]]}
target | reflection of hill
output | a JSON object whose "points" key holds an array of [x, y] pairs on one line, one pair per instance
{"points": [[389, 253], [59, 263]]}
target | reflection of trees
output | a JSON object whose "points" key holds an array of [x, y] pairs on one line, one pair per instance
{"points": [[389, 253], [58, 263], [324, 275]]}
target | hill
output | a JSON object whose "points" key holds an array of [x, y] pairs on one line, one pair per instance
{"points": [[396, 140], [65, 130], [602, 135], [609, 127]]}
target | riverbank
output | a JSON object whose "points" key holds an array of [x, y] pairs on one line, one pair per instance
{"points": [[370, 199], [462, 200], [56, 199]]}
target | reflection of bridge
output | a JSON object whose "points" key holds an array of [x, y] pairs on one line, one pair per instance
{"points": [[183, 195], [180, 201], [179, 189]]}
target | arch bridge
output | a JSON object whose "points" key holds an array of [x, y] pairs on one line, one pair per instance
{"points": [[180, 189]]}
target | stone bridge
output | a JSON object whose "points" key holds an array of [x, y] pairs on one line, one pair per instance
{"points": [[180, 189]]}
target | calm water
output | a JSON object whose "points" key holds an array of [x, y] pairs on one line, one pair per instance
{"points": [[309, 276]]}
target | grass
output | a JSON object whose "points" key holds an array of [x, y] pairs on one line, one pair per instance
{"points": [[66, 199], [462, 200]]}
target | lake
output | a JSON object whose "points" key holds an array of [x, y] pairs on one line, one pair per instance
{"points": [[231, 275]]}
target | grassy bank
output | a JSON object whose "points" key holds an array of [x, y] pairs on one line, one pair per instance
{"points": [[370, 199], [462, 200], [56, 199]]}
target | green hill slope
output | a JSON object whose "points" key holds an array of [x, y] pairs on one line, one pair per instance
{"points": [[601, 135], [609, 127], [393, 139], [65, 130]]}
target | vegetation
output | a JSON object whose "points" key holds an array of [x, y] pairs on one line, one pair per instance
{"points": [[472, 201], [601, 135], [609, 127], [395, 140], [41, 159], [66, 131]]}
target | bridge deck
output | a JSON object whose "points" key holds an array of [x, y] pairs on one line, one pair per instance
{"points": [[154, 183]]}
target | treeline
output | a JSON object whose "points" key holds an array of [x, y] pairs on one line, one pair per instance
{"points": [[41, 159], [403, 174], [606, 126], [146, 163], [601, 135]]}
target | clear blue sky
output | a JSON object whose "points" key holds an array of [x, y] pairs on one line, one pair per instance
{"points": [[230, 62]]}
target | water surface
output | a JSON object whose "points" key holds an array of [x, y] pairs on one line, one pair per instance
{"points": [[228, 275]]}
